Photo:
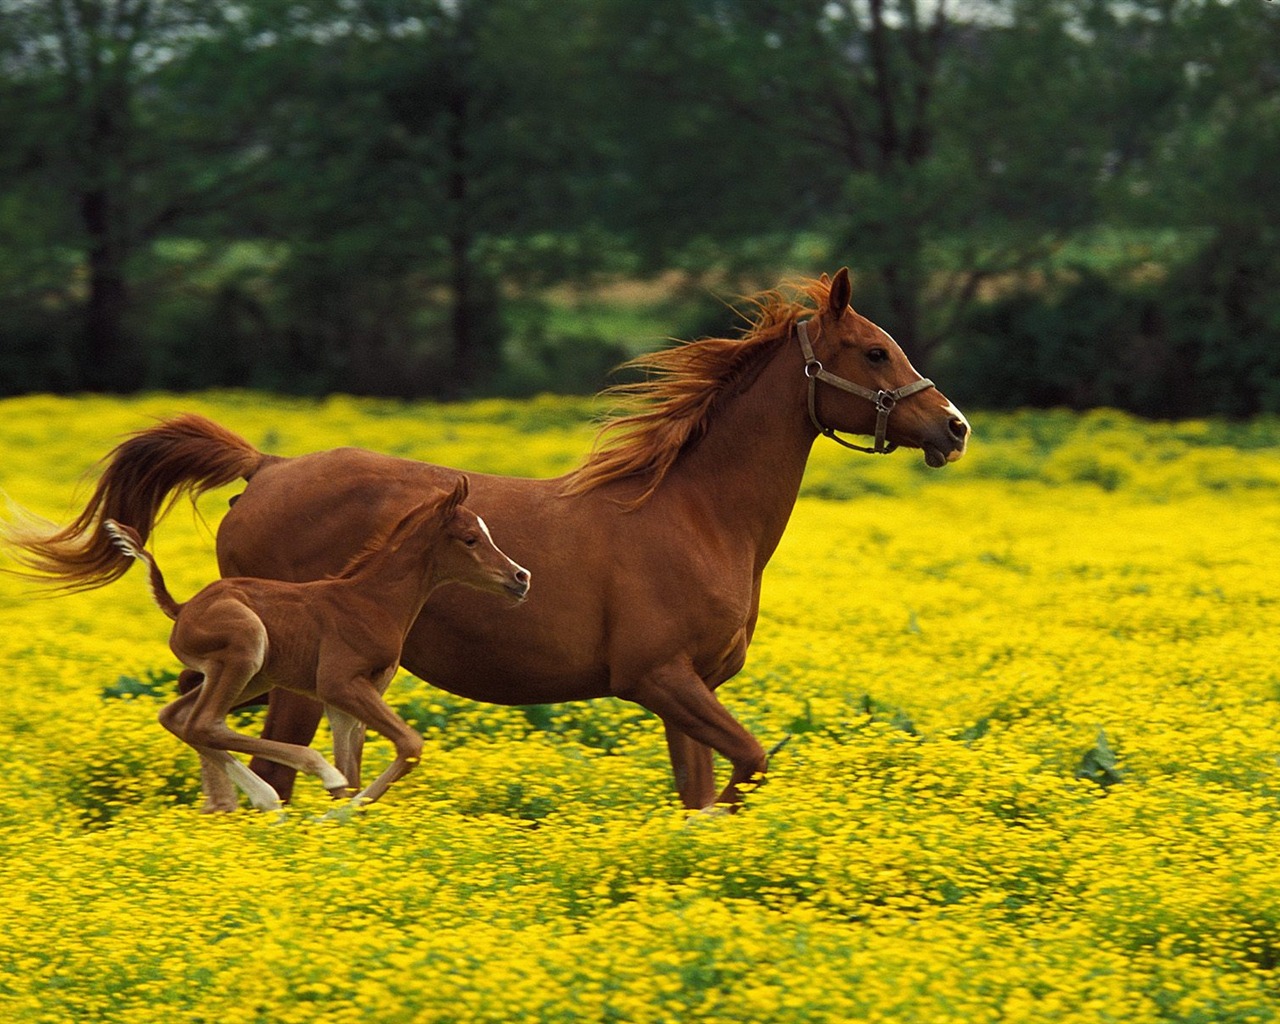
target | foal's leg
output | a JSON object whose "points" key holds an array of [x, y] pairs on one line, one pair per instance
{"points": [[208, 728], [220, 773], [362, 699], [348, 746], [219, 791], [684, 702], [291, 717], [231, 676], [215, 782], [259, 792]]}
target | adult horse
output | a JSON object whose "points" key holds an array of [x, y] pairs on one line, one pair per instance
{"points": [[648, 556]]}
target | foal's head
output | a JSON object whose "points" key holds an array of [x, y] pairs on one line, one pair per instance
{"points": [[851, 347], [465, 551]]}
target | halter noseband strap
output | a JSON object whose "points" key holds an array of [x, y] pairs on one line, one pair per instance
{"points": [[884, 401]]}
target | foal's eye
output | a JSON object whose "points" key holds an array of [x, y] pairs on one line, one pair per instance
{"points": [[877, 355], [471, 541]]}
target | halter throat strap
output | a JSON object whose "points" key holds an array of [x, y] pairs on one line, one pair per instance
{"points": [[884, 401]]}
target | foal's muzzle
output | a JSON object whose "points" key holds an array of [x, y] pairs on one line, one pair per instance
{"points": [[518, 585]]}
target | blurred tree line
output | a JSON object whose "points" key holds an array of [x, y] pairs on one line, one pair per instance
{"points": [[1047, 201]]}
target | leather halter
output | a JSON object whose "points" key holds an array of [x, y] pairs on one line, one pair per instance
{"points": [[884, 401]]}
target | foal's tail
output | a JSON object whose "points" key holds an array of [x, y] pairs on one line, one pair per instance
{"points": [[144, 476], [127, 540]]}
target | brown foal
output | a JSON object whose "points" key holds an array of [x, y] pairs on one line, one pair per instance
{"points": [[337, 640]]}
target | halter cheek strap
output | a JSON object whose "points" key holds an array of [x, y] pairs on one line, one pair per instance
{"points": [[884, 401]]}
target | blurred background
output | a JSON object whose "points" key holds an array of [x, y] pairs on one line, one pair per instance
{"points": [[1048, 202]]}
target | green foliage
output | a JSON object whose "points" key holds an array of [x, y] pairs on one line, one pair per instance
{"points": [[1100, 764], [156, 683], [391, 197]]}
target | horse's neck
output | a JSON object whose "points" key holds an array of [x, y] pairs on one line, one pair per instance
{"points": [[746, 471]]}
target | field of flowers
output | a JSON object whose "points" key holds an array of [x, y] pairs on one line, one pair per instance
{"points": [[1034, 708]]}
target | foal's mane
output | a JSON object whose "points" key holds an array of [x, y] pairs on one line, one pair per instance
{"points": [[377, 544], [669, 411]]}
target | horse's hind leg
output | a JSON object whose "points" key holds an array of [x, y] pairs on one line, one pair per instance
{"points": [[215, 782], [220, 763], [219, 791], [208, 729]]}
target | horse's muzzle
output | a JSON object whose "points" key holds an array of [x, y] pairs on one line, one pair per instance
{"points": [[948, 447]]}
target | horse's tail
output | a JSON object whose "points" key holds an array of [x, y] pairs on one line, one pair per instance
{"points": [[127, 540], [145, 474]]}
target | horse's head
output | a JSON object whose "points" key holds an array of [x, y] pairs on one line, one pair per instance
{"points": [[861, 382], [467, 554]]}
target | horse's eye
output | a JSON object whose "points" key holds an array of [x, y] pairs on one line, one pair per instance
{"points": [[470, 541], [877, 355]]}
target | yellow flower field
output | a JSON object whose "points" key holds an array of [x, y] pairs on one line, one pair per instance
{"points": [[1034, 708]]}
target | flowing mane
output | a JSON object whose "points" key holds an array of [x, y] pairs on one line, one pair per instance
{"points": [[669, 411]]}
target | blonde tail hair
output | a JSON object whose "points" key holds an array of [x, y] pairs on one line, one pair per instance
{"points": [[127, 539]]}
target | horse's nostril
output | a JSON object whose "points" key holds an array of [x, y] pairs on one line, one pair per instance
{"points": [[522, 576], [959, 428]]}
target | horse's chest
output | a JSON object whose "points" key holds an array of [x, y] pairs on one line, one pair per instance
{"points": [[727, 623], [726, 661]]}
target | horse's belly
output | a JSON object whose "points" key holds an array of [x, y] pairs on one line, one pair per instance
{"points": [[497, 674]]}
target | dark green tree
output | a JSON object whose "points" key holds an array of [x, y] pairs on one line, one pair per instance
{"points": [[86, 157], [941, 147]]}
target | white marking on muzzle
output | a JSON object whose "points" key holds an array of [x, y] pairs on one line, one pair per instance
{"points": [[968, 432]]}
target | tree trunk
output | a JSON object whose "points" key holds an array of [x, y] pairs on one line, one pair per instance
{"points": [[105, 340], [475, 334]]}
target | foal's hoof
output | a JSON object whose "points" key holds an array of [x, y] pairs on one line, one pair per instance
{"points": [[219, 807], [341, 813]]}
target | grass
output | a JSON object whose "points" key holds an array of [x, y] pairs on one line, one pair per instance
{"points": [[962, 658]]}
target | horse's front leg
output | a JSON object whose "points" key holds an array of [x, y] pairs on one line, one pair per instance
{"points": [[686, 705], [692, 769]]}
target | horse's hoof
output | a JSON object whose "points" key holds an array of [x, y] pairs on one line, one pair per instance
{"points": [[706, 813]]}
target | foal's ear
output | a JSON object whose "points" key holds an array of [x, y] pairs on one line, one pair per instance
{"points": [[841, 292], [455, 497]]}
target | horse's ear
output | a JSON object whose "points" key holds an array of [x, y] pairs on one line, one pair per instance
{"points": [[824, 279], [455, 497], [841, 292]]}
